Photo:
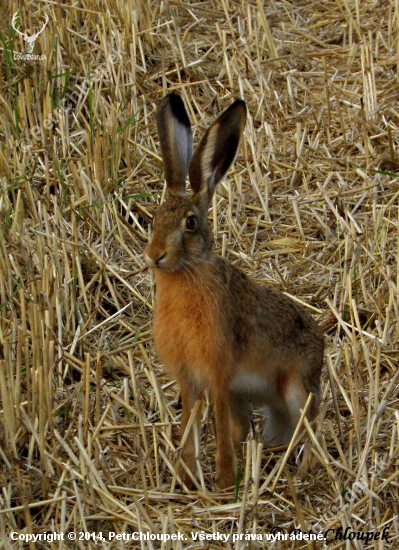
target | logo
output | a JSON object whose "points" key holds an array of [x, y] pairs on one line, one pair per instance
{"points": [[28, 39]]}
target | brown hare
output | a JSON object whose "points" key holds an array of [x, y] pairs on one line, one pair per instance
{"points": [[216, 330]]}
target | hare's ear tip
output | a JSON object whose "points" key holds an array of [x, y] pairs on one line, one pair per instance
{"points": [[240, 104], [172, 95], [171, 98], [176, 105], [237, 112]]}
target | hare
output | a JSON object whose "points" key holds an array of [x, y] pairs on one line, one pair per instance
{"points": [[215, 329]]}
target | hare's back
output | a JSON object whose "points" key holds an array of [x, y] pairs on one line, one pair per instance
{"points": [[264, 322]]}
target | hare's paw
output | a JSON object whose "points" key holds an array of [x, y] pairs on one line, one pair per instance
{"points": [[226, 471], [190, 463], [241, 417], [226, 478], [186, 478], [240, 430]]}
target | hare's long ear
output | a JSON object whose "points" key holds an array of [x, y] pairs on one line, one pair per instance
{"points": [[174, 131], [216, 151]]}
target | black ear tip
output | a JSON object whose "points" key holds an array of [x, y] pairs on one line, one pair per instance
{"points": [[237, 109], [240, 105], [176, 105]]}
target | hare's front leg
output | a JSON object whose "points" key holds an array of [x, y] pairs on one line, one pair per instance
{"points": [[241, 416], [225, 456], [189, 397]]}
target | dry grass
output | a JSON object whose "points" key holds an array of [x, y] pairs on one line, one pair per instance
{"points": [[88, 420]]}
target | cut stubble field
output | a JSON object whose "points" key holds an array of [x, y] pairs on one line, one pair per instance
{"points": [[89, 421]]}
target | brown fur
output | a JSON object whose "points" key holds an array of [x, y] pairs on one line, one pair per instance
{"points": [[215, 330]]}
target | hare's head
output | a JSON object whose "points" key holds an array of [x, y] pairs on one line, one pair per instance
{"points": [[181, 235]]}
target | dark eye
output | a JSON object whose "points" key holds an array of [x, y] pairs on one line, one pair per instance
{"points": [[191, 223]]}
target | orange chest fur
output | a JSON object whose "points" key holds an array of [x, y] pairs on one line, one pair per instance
{"points": [[186, 331]]}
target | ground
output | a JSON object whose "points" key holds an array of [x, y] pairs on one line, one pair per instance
{"points": [[88, 419]]}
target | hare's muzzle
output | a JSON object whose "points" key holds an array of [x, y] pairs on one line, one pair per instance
{"points": [[153, 256]]}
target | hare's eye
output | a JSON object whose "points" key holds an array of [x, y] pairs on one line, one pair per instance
{"points": [[191, 223]]}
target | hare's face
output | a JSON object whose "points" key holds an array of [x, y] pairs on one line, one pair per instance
{"points": [[180, 238]]}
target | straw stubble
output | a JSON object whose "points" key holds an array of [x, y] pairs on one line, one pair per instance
{"points": [[89, 422]]}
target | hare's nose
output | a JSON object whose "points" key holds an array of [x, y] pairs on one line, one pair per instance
{"points": [[158, 260], [153, 260]]}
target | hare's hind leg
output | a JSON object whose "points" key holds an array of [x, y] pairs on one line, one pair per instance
{"points": [[296, 393], [296, 397], [282, 416], [277, 425], [189, 397]]}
